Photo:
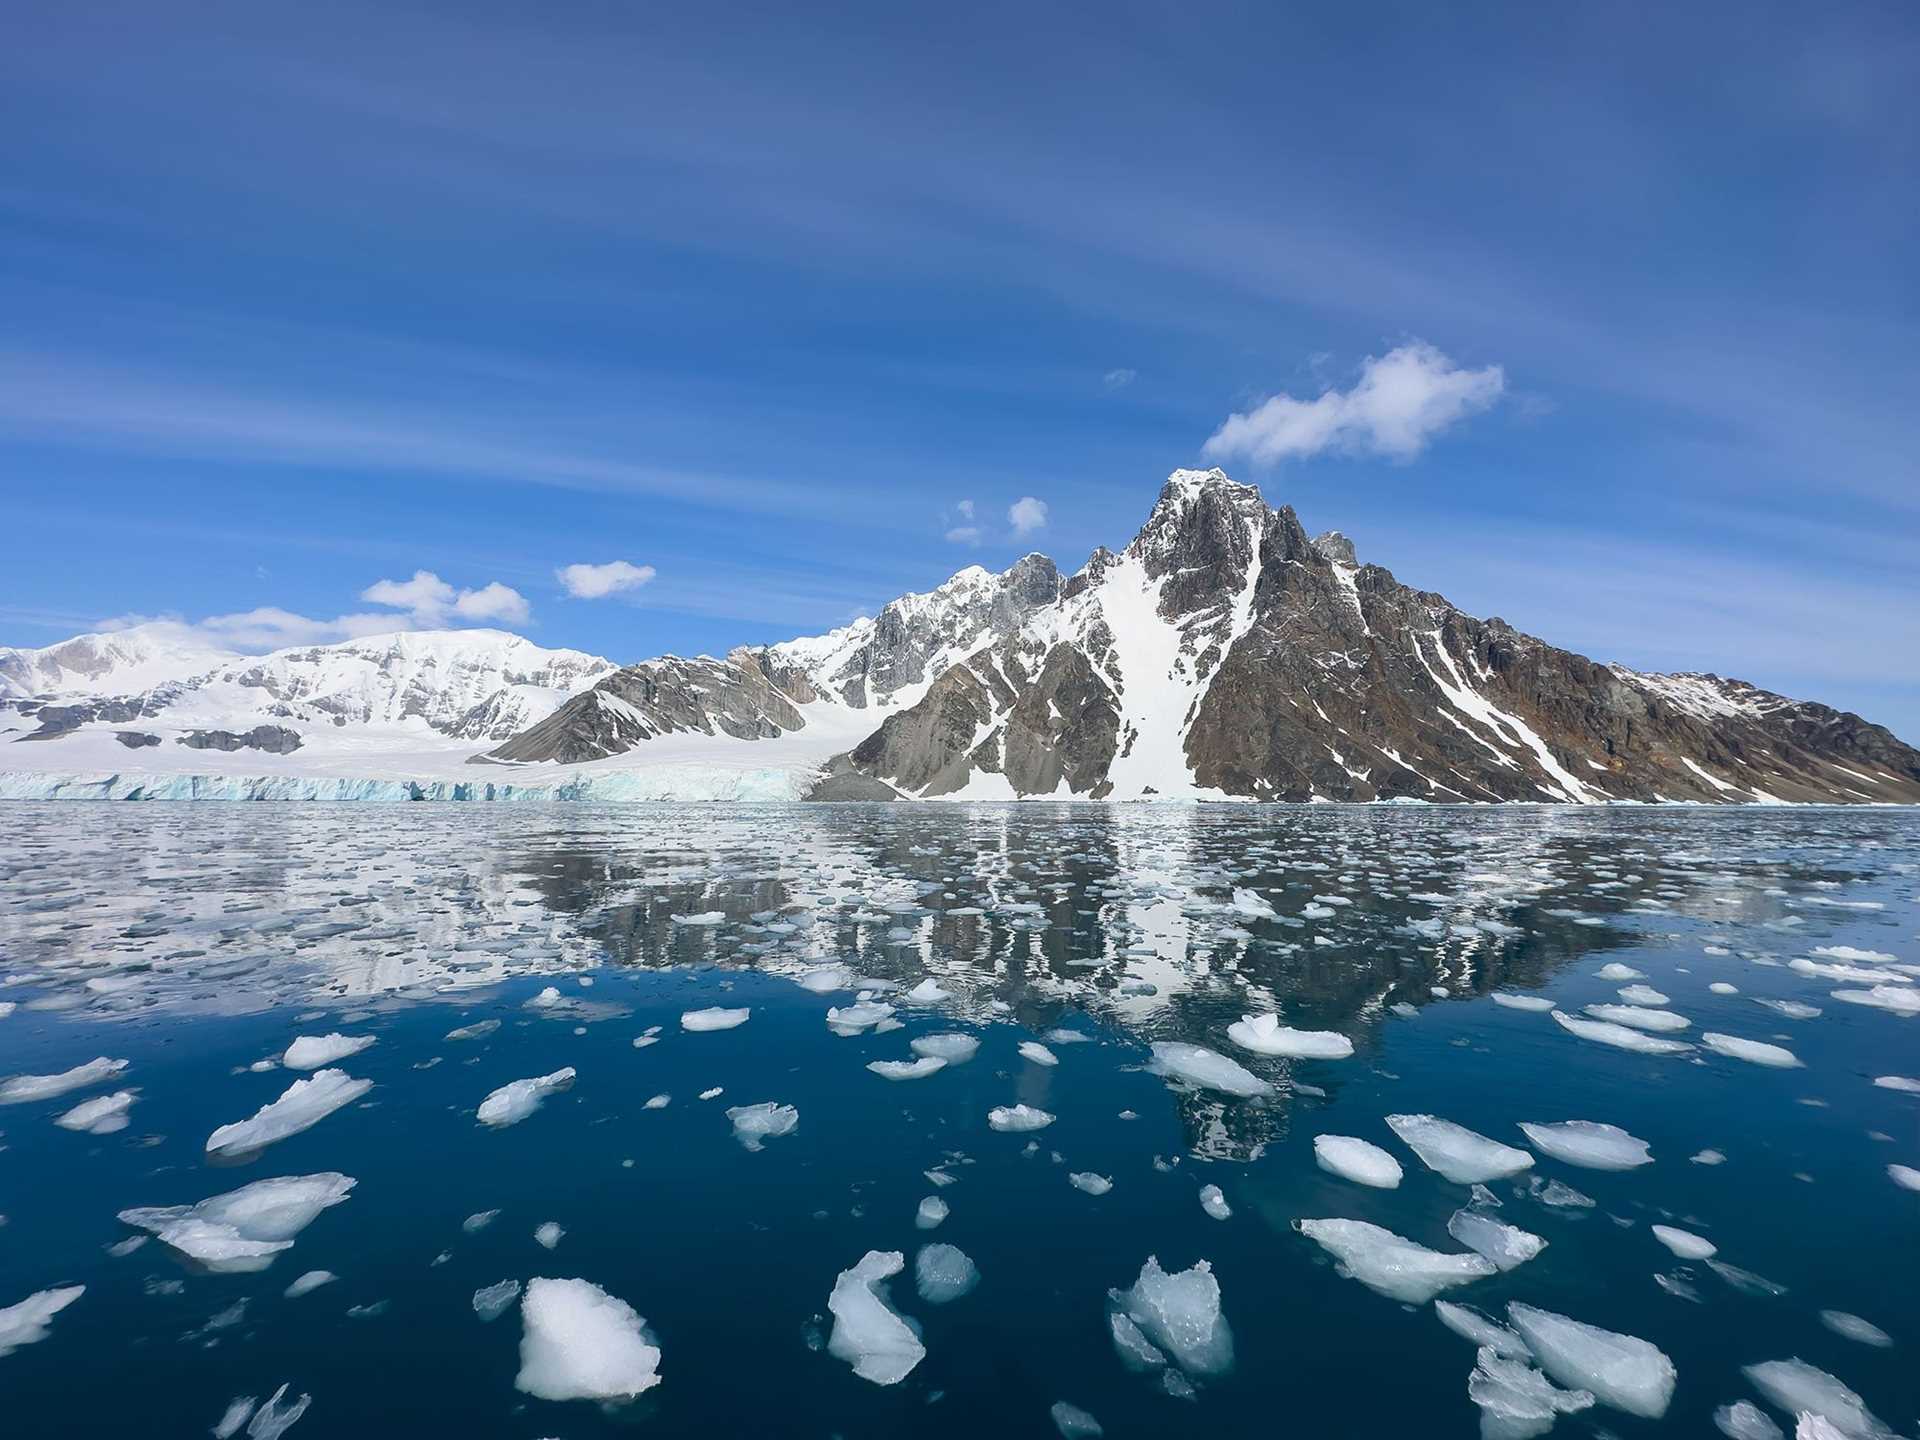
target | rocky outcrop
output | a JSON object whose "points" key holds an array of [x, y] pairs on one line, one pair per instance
{"points": [[273, 739]]}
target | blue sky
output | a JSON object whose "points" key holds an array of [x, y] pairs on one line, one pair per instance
{"points": [[299, 299]]}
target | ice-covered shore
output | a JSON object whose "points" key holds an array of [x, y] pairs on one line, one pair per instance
{"points": [[657, 783]]}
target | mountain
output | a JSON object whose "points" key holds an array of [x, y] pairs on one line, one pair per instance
{"points": [[446, 687], [1224, 654], [832, 682]]}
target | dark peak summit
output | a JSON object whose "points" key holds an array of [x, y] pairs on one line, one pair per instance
{"points": [[1032, 580], [1335, 547]]}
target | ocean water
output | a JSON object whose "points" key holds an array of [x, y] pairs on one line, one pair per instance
{"points": [[197, 942]]}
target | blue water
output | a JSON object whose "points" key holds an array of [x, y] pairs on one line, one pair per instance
{"points": [[197, 941]]}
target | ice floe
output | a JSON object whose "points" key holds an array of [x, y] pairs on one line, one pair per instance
{"points": [[1516, 1401], [868, 1333], [1744, 1420], [1215, 1203], [1196, 1065], [515, 1101], [1797, 1388], [1038, 1054], [1754, 1052], [917, 1069], [1621, 1037], [754, 1125], [309, 1282], [242, 1230], [1265, 1035], [311, 1052], [1356, 1160], [1174, 1317], [1640, 1017], [26, 1322], [1852, 1327], [1505, 1246], [1623, 1371], [1482, 1329], [304, 1104], [1391, 1264], [943, 1273], [22, 1089], [1073, 1423], [859, 1017], [1018, 1117], [1684, 1243], [1091, 1183], [580, 1343], [950, 1046], [1463, 1156], [102, 1115], [715, 1017], [1536, 1003], [1589, 1144]]}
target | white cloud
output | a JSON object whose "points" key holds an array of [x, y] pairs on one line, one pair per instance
{"points": [[431, 601], [1027, 515], [964, 534], [1119, 379], [965, 507], [596, 582], [1401, 401]]}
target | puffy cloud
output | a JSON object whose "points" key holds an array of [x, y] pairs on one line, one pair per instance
{"points": [[964, 534], [1027, 515], [596, 582], [1401, 401], [1119, 379], [430, 601]]}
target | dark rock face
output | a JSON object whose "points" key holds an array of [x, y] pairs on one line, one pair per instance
{"points": [[55, 721], [274, 739], [1224, 653], [135, 739]]}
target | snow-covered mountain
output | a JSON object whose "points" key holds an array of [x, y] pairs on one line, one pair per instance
{"points": [[116, 662], [1224, 654]]}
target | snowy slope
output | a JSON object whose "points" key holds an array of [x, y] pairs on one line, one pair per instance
{"points": [[119, 662]]}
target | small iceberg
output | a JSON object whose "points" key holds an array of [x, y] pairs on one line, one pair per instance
{"points": [[102, 1115], [1390, 1264], [1684, 1243], [754, 1125], [305, 1104], [27, 1322], [1207, 1069], [1357, 1160], [1620, 1037], [21, 1089], [241, 1231], [514, 1102], [1265, 1035], [1621, 1370], [580, 1343], [714, 1017], [1175, 1317], [950, 1046], [907, 1069], [1463, 1156], [867, 1332], [312, 1052], [943, 1274], [1754, 1052], [1018, 1117], [1589, 1144], [1504, 1246]]}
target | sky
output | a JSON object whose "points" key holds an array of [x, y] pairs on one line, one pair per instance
{"points": [[645, 329]]}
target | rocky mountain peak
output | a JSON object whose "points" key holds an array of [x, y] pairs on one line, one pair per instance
{"points": [[1335, 547]]}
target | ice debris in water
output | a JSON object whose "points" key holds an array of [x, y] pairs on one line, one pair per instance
{"points": [[277, 1416], [21, 1089], [515, 1101], [1073, 1423], [1505, 1246], [490, 1302], [310, 1282], [548, 1234], [714, 1017], [476, 1031], [580, 1343], [825, 979], [1640, 1017], [1643, 995], [1356, 1160], [102, 1115], [239, 1410], [927, 992], [310, 1052], [859, 1017], [1018, 1117], [479, 1221], [1039, 1054], [754, 1125], [1482, 1329], [1088, 1181], [1173, 1316], [1536, 1003], [1898, 1082], [1621, 1370], [918, 1069], [1391, 1264], [1463, 1156], [1754, 1052], [304, 1104], [1905, 1176], [1215, 1203], [1852, 1327], [1614, 970], [867, 1332], [1684, 1243], [1590, 1144], [242, 1230], [1265, 1035], [26, 1323], [1208, 1069], [943, 1273], [950, 1046], [1516, 1401], [1797, 1388], [932, 1212], [1621, 1037], [1744, 1420]]}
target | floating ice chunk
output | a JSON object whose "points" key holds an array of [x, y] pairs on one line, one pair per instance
{"points": [[1852, 1327], [861, 1016], [1463, 1156], [951, 1046], [1744, 1420], [548, 1234], [825, 979], [1135, 1350], [657, 1102], [1059, 1036], [310, 1052], [927, 992], [1746, 1281], [102, 1115], [1684, 1243], [277, 1416], [932, 1212], [1091, 1183], [580, 1343], [1905, 1176], [943, 1273], [1207, 1069], [239, 1410], [907, 1069], [1356, 1160], [1265, 1035], [479, 1221], [1538, 1003], [1614, 970], [514, 1102], [490, 1302], [1215, 1203], [1516, 1401], [1849, 952], [1708, 1157], [1619, 1036], [1754, 1052], [1897, 999], [1390, 1264], [1797, 1388], [1250, 904], [1590, 1144], [1179, 1315], [24, 1088], [714, 1017], [1818, 1427], [1898, 1082], [1722, 987], [714, 1094], [310, 1282], [1018, 1117], [703, 918], [1036, 1052], [242, 1230], [1621, 1370], [867, 1332], [1639, 1017], [1482, 1329], [26, 1323], [1792, 1009], [1073, 1423], [1560, 1196], [754, 1125], [1505, 1246], [305, 1104], [1643, 995], [475, 1031]]}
